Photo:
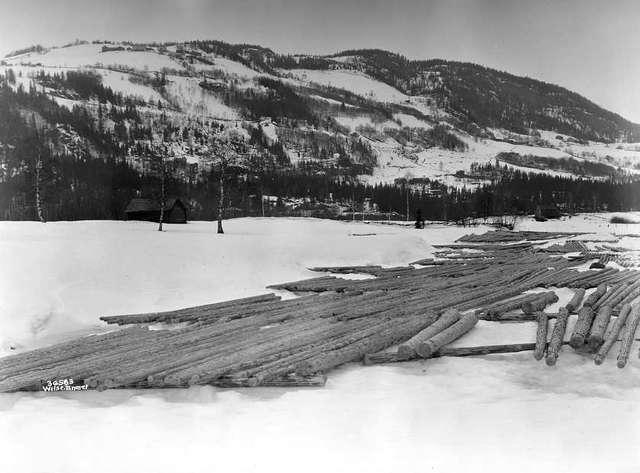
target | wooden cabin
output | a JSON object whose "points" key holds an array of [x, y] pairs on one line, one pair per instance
{"points": [[149, 210], [546, 211]]}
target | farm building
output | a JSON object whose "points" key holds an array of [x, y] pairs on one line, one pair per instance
{"points": [[547, 211], [149, 210]]}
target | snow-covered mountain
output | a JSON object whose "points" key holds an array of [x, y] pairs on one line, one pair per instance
{"points": [[389, 117]]}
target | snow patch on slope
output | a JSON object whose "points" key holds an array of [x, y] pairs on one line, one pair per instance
{"points": [[187, 94], [352, 81], [92, 55]]}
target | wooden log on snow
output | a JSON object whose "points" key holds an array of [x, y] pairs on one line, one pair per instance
{"points": [[347, 269], [600, 324], [612, 334], [390, 357], [630, 328], [519, 317], [575, 301], [323, 361], [448, 335], [289, 381], [600, 291], [495, 311], [541, 336], [557, 337], [581, 328], [629, 291], [413, 345], [188, 313], [540, 303]]}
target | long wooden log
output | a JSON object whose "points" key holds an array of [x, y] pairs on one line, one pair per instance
{"points": [[540, 303], [413, 345], [581, 328], [630, 328], [293, 380], [612, 334], [541, 336], [557, 337], [356, 351], [595, 295], [186, 313], [600, 324], [629, 291], [428, 348], [394, 357], [496, 310], [575, 301]]}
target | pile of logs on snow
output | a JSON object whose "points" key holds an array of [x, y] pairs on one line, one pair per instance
{"points": [[420, 309]]}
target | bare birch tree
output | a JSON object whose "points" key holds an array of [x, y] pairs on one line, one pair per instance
{"points": [[38, 186], [226, 146]]}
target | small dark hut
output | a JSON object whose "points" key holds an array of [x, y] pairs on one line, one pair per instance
{"points": [[149, 210], [547, 211]]}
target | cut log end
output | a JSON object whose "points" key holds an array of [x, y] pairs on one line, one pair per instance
{"points": [[405, 351], [576, 342], [425, 350]]}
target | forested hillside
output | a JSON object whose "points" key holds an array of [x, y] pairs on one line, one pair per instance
{"points": [[86, 127]]}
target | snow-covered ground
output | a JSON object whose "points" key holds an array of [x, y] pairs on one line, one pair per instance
{"points": [[92, 55], [498, 412], [353, 81]]}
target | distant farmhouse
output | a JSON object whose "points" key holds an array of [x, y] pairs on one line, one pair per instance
{"points": [[149, 210], [544, 212]]}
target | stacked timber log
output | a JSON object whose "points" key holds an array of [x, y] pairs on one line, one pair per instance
{"points": [[502, 236], [539, 303], [541, 336], [418, 343], [612, 335], [267, 341], [628, 337], [557, 337], [395, 357], [581, 328]]}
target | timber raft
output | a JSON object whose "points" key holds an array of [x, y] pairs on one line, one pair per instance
{"points": [[420, 309]]}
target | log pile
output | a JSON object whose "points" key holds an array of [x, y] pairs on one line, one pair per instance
{"points": [[266, 341], [502, 236]]}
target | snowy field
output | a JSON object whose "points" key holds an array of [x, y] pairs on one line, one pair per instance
{"points": [[497, 412]]}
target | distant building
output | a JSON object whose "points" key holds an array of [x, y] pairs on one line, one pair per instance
{"points": [[547, 211], [149, 210], [140, 47]]}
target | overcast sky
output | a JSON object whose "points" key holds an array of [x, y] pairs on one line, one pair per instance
{"points": [[589, 46]]}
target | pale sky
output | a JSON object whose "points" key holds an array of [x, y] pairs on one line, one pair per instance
{"points": [[589, 46]]}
